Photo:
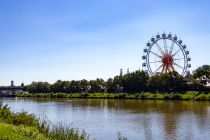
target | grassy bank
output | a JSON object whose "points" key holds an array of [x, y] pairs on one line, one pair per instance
{"points": [[12, 132], [24, 126], [188, 95]]}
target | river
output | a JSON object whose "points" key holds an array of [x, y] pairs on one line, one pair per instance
{"points": [[134, 119]]}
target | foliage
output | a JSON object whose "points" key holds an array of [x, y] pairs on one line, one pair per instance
{"points": [[134, 82], [171, 81], [12, 132], [188, 95], [203, 74], [121, 137]]}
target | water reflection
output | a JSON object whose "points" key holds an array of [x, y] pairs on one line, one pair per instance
{"points": [[136, 119]]}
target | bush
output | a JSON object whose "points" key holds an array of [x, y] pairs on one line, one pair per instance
{"points": [[24, 95], [137, 96], [122, 95], [5, 114], [176, 97], [201, 96], [85, 95], [144, 96], [121, 137], [65, 132], [24, 118], [166, 97]]}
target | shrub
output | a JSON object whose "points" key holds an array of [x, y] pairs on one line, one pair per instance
{"points": [[202, 97], [24, 118], [176, 96], [122, 95], [5, 114], [144, 96], [166, 97], [137, 95], [121, 137], [85, 95]]}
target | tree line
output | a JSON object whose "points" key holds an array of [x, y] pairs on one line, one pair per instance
{"points": [[138, 81]]}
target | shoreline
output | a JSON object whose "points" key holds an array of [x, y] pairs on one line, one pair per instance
{"points": [[188, 95]]}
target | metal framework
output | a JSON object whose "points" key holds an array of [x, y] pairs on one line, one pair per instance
{"points": [[166, 53]]}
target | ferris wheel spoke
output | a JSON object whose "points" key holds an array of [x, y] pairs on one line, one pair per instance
{"points": [[178, 59], [178, 65], [159, 48], [155, 54], [176, 52], [170, 69], [173, 68], [155, 61], [165, 46], [166, 69], [163, 68], [171, 48], [159, 68]]}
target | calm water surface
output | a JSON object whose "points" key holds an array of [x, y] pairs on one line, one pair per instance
{"points": [[135, 119]]}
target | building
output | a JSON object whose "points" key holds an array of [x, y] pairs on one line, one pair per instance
{"points": [[11, 90]]}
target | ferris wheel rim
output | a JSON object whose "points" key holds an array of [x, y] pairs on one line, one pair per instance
{"points": [[174, 41]]}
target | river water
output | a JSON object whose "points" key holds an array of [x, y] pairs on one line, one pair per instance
{"points": [[134, 119]]}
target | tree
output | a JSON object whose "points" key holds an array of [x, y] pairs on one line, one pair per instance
{"points": [[84, 85], [135, 81], [202, 74], [115, 85], [39, 87], [57, 86], [98, 85], [171, 81]]}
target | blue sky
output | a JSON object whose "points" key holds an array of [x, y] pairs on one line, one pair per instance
{"points": [[47, 40]]}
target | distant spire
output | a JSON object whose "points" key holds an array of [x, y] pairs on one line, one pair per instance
{"points": [[128, 70], [22, 85], [12, 83], [121, 72]]}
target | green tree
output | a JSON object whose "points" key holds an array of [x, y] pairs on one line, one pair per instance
{"points": [[171, 81], [135, 81], [202, 74], [98, 85], [57, 86], [39, 87]]}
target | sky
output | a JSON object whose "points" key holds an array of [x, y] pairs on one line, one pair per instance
{"points": [[48, 40]]}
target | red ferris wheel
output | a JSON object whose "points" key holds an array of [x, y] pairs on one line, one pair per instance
{"points": [[165, 53]]}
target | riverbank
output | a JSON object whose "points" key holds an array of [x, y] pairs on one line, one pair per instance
{"points": [[12, 132], [188, 95], [19, 126]]}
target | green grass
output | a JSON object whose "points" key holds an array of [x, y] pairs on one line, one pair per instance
{"points": [[188, 95], [203, 96], [12, 132]]}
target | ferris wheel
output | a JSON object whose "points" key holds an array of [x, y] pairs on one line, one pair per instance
{"points": [[165, 53]]}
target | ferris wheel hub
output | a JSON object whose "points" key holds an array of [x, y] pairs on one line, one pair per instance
{"points": [[167, 61]]}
